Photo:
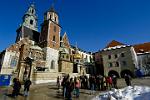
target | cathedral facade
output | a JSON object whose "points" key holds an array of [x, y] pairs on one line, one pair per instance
{"points": [[42, 56]]}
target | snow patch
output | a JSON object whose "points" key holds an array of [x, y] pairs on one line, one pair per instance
{"points": [[127, 93]]}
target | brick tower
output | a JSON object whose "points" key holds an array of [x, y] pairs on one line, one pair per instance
{"points": [[50, 32], [50, 39]]}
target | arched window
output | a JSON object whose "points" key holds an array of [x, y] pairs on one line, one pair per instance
{"points": [[50, 16], [117, 64], [54, 38], [31, 22], [32, 11], [55, 19], [52, 64], [13, 62]]}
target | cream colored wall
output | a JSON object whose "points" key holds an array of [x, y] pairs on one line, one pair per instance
{"points": [[128, 58], [86, 55], [6, 68]]}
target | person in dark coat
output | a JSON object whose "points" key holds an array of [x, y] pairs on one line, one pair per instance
{"points": [[102, 82], [16, 87], [98, 82], [64, 85], [127, 79], [69, 89], [27, 84], [114, 81], [93, 82]]}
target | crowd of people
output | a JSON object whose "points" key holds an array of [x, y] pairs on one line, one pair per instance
{"points": [[71, 86]]}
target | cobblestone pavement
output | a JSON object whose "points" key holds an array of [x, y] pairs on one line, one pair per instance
{"points": [[50, 92]]}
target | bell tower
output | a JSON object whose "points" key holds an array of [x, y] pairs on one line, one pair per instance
{"points": [[50, 39], [50, 32], [30, 18], [29, 28]]}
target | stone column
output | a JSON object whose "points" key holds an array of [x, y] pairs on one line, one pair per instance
{"points": [[21, 71], [83, 70], [32, 70], [78, 68]]}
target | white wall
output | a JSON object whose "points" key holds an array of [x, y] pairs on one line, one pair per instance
{"points": [[86, 54], [143, 59], [6, 68], [51, 54]]}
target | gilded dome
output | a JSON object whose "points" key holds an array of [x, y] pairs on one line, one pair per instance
{"points": [[77, 56]]}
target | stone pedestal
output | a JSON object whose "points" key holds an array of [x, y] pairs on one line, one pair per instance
{"points": [[21, 74]]}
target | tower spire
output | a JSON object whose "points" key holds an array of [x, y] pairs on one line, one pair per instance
{"points": [[76, 45], [76, 48], [52, 6], [30, 18], [53, 3]]}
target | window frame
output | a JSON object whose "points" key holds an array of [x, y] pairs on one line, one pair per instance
{"points": [[110, 64], [116, 56], [55, 19], [54, 38], [122, 55], [52, 64], [117, 64], [31, 22], [124, 63], [109, 56]]}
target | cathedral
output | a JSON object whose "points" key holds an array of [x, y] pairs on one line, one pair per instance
{"points": [[42, 56]]}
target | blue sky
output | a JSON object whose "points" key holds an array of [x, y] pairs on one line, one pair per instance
{"points": [[90, 23]]}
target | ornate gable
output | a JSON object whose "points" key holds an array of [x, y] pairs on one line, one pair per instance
{"points": [[65, 40]]}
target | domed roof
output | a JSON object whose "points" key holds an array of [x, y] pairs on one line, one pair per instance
{"points": [[77, 56], [36, 48], [63, 50]]}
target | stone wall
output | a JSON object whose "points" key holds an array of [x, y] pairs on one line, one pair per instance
{"points": [[66, 67], [51, 55]]}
